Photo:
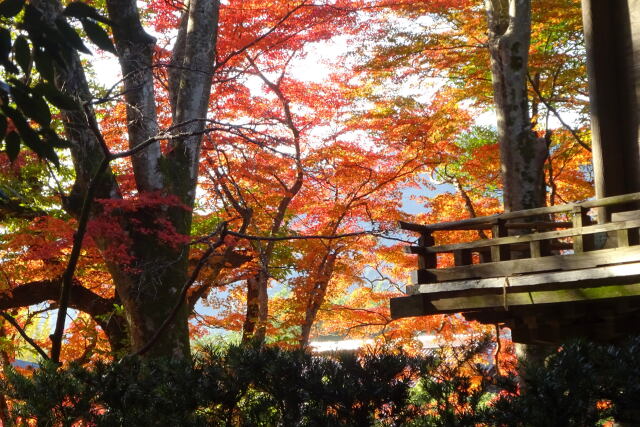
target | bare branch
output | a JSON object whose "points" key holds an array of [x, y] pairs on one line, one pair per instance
{"points": [[24, 335], [558, 116]]}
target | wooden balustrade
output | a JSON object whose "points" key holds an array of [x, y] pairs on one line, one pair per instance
{"points": [[508, 240], [529, 261]]}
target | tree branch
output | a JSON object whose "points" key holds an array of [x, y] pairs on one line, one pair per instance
{"points": [[24, 335], [558, 116], [192, 97], [135, 52]]}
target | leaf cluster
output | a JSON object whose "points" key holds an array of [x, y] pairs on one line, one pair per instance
{"points": [[31, 42], [580, 385]]}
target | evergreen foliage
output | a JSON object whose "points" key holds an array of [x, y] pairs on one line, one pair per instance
{"points": [[238, 385], [582, 384]]}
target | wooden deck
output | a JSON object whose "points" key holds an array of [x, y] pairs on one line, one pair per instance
{"points": [[548, 273]]}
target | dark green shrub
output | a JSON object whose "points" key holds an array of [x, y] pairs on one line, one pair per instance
{"points": [[581, 384]]}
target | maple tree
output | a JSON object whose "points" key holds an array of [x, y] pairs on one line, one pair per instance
{"points": [[245, 164]]}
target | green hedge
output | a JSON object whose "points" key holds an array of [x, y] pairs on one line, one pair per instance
{"points": [[580, 385]]}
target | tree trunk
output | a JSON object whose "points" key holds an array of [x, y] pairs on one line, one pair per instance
{"points": [[5, 415], [522, 153], [150, 285], [320, 283], [255, 323], [148, 297]]}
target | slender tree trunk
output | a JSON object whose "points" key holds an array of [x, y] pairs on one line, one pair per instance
{"points": [[522, 153], [318, 290], [255, 324], [5, 415]]}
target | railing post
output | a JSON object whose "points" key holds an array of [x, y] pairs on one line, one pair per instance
{"points": [[462, 257], [540, 248], [581, 243], [500, 252], [426, 261]]}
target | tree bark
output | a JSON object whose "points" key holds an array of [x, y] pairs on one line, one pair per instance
{"points": [[149, 285], [255, 323], [522, 153]]}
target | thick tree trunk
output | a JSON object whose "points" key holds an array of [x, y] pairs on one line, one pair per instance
{"points": [[522, 153], [149, 289], [149, 286]]}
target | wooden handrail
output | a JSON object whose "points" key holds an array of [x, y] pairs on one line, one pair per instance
{"points": [[487, 221], [591, 229]]}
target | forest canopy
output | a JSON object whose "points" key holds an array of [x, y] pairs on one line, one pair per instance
{"points": [[229, 183]]}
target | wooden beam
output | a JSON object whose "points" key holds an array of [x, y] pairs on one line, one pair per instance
{"points": [[417, 305], [559, 279], [499, 252], [553, 245], [488, 220], [462, 257], [531, 265], [538, 248], [410, 306], [427, 260], [625, 216], [582, 242], [548, 235]]}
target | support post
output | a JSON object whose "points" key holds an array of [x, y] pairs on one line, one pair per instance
{"points": [[612, 37], [500, 252], [581, 243]]}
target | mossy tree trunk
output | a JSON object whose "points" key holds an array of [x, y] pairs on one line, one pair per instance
{"points": [[150, 281], [522, 153]]}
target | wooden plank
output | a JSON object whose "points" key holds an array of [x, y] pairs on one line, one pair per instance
{"points": [[553, 245], [443, 305], [586, 277], [625, 216], [536, 297], [582, 312], [610, 201], [419, 228], [548, 235], [487, 220], [531, 265]]}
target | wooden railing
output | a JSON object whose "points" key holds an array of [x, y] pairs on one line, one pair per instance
{"points": [[530, 241]]}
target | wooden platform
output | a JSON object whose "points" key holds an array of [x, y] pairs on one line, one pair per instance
{"points": [[547, 278]]}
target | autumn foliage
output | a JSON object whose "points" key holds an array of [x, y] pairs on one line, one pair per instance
{"points": [[306, 172]]}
